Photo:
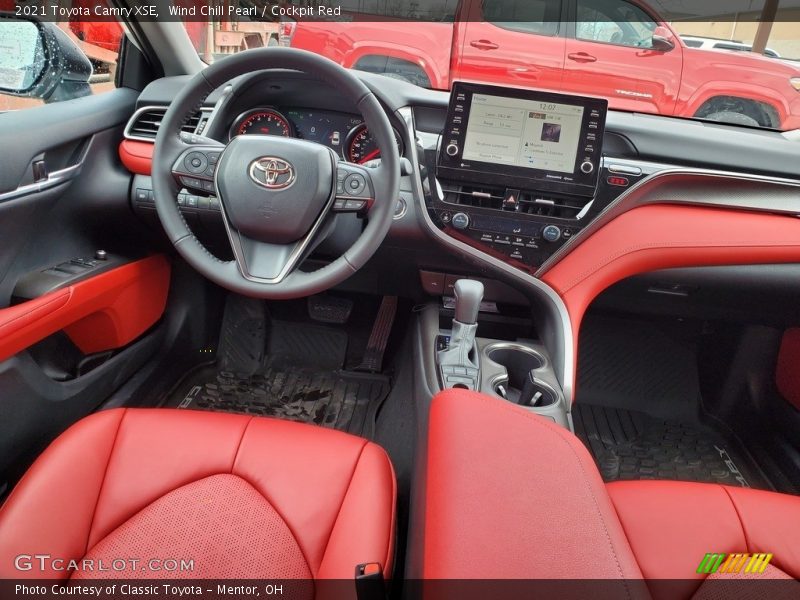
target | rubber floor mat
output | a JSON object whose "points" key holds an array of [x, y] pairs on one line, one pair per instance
{"points": [[633, 445], [330, 398]]}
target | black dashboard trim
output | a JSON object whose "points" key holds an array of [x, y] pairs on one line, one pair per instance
{"points": [[695, 187]]}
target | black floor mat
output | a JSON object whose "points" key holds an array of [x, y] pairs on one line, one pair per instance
{"points": [[331, 398], [629, 444]]}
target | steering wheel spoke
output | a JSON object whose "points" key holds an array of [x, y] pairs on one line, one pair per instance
{"points": [[262, 262], [355, 191]]}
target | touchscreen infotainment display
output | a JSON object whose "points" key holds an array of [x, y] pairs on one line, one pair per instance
{"points": [[539, 139], [523, 133]]}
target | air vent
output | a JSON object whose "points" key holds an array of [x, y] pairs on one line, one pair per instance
{"points": [[145, 123], [532, 203], [529, 203]]}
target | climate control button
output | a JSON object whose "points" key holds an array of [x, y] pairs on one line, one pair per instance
{"points": [[460, 220], [551, 233]]}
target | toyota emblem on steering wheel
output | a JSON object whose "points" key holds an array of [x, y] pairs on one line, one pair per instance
{"points": [[272, 173]]}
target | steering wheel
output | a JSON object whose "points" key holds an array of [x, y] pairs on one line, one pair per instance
{"points": [[278, 196]]}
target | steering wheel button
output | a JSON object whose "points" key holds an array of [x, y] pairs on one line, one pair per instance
{"points": [[195, 162], [355, 184], [354, 204]]}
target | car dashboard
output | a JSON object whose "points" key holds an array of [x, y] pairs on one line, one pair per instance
{"points": [[634, 160]]}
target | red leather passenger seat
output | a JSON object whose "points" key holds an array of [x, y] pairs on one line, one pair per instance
{"points": [[242, 497], [511, 495]]}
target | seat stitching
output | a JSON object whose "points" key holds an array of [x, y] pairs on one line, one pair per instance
{"points": [[561, 438], [738, 516], [283, 518], [267, 499], [103, 481], [239, 445], [341, 505]]}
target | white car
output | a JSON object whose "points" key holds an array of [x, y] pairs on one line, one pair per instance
{"points": [[719, 44]]}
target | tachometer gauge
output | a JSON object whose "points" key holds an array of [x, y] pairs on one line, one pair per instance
{"points": [[262, 121], [361, 146]]}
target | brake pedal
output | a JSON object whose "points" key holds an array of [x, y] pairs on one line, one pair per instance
{"points": [[329, 309], [379, 337]]}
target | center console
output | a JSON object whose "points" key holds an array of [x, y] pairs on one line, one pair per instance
{"points": [[517, 171], [515, 174]]}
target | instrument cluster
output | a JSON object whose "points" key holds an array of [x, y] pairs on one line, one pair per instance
{"points": [[345, 134]]}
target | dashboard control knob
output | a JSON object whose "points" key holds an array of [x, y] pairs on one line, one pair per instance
{"points": [[461, 220], [452, 150], [551, 233], [587, 167]]}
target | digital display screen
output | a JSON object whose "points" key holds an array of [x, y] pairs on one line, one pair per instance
{"points": [[522, 138], [523, 133]]}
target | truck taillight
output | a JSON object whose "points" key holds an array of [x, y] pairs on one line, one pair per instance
{"points": [[286, 31]]}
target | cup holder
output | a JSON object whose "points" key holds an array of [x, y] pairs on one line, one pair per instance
{"points": [[519, 362]]}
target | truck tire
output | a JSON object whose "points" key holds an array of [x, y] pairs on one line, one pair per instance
{"points": [[739, 111], [734, 118]]}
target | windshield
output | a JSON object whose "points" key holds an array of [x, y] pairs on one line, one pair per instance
{"points": [[736, 61]]}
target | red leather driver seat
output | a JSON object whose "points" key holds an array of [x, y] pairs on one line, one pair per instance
{"points": [[244, 497]]}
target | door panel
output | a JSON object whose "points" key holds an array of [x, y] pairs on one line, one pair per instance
{"points": [[99, 313], [514, 43], [64, 351], [610, 56]]}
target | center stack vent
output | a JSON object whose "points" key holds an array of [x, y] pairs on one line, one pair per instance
{"points": [[513, 201]]}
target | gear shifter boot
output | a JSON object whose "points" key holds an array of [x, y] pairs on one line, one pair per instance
{"points": [[459, 363]]}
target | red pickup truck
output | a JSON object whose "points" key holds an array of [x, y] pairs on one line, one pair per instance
{"points": [[618, 49]]}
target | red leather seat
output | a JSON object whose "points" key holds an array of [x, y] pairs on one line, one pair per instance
{"points": [[242, 497], [537, 508]]}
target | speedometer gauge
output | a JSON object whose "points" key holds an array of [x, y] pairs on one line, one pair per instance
{"points": [[361, 146], [262, 121]]}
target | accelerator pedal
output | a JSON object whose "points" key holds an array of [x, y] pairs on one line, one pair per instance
{"points": [[379, 337]]}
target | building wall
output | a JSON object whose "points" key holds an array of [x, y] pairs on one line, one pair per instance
{"points": [[784, 37]]}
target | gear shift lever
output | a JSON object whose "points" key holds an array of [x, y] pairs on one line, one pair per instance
{"points": [[469, 295], [459, 363]]}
